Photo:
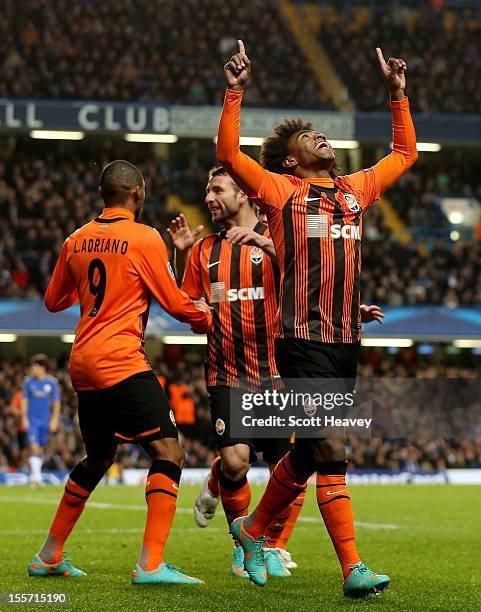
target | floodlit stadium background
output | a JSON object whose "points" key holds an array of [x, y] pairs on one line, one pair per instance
{"points": [[137, 80]]}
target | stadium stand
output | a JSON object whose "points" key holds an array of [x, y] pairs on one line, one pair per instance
{"points": [[65, 449], [136, 50], [442, 46]]}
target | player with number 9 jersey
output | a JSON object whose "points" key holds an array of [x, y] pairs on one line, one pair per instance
{"points": [[113, 266]]}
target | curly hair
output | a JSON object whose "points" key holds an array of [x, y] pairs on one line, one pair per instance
{"points": [[275, 148]]}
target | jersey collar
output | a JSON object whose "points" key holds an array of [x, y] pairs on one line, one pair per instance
{"points": [[117, 213], [322, 182]]}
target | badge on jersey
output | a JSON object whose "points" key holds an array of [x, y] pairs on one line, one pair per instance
{"points": [[220, 427], [257, 255], [351, 202]]}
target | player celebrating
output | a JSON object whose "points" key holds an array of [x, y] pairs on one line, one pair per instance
{"points": [[112, 266], [235, 270], [40, 410], [315, 220]]}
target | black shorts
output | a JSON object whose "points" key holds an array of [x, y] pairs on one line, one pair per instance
{"points": [[134, 410], [296, 358], [219, 399], [272, 449], [314, 361]]}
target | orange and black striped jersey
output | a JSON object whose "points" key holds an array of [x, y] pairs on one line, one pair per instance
{"points": [[316, 227], [241, 283], [113, 266]]}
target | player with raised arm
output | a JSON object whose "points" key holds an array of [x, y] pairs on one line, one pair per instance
{"points": [[315, 220], [112, 266], [40, 411], [236, 270]]}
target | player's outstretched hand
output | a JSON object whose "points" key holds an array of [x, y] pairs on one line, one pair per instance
{"points": [[371, 313], [244, 235], [394, 74], [238, 69], [181, 234]]}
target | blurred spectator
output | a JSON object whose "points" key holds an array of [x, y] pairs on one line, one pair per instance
{"points": [[162, 50], [442, 50]]}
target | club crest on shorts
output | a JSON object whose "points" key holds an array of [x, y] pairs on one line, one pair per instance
{"points": [[172, 418], [257, 255], [352, 203], [220, 427], [310, 409]]}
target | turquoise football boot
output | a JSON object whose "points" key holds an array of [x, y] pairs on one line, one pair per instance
{"points": [[274, 563], [64, 568], [237, 567], [164, 574], [361, 581], [253, 551]]}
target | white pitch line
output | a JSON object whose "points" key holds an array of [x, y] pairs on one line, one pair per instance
{"points": [[109, 506]]}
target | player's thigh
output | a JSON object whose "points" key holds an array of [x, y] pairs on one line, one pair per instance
{"points": [[221, 416]]}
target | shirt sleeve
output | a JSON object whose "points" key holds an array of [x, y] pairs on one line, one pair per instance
{"points": [[272, 190], [156, 271], [192, 283], [61, 291], [373, 182]]}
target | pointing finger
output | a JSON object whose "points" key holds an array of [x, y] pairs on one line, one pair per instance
{"points": [[380, 58], [242, 50]]}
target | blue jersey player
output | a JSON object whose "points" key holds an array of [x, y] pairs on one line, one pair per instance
{"points": [[40, 413]]}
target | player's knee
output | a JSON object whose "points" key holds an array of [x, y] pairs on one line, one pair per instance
{"points": [[166, 449], [235, 465], [329, 450], [97, 465]]}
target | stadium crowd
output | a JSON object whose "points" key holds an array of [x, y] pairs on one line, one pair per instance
{"points": [[185, 386], [442, 49], [134, 50], [46, 192]]}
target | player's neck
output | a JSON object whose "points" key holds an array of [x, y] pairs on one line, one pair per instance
{"points": [[312, 173], [243, 218], [109, 212]]}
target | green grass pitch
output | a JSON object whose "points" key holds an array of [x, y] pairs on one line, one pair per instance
{"points": [[427, 538]]}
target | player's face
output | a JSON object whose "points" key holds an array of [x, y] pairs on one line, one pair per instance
{"points": [[222, 198], [260, 215], [37, 370], [311, 149]]}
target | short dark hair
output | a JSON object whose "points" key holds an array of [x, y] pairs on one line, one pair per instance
{"points": [[275, 148], [117, 181], [41, 359], [219, 170]]}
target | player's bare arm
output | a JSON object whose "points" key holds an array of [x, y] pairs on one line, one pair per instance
{"points": [[183, 239], [371, 313], [54, 419], [246, 236]]}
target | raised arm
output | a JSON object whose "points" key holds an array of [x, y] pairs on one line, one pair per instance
{"points": [[404, 152], [374, 181], [245, 171], [61, 291]]}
